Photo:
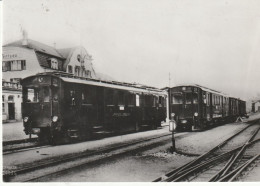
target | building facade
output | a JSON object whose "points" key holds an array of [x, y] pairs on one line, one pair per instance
{"points": [[27, 57]]}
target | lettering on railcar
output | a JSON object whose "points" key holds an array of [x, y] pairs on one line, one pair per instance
{"points": [[121, 114]]}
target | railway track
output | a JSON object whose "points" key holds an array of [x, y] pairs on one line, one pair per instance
{"points": [[24, 148], [34, 172], [222, 163]]}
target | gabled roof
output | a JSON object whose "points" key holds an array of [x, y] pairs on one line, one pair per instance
{"points": [[37, 46], [65, 52]]}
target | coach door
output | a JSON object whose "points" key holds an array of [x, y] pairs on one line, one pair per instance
{"points": [[45, 105], [188, 105]]}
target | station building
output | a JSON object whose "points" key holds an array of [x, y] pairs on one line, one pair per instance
{"points": [[27, 57]]}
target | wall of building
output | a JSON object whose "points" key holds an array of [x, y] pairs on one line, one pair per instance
{"points": [[6, 101], [20, 53]]}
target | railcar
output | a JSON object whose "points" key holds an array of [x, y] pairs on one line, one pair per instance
{"points": [[195, 107], [60, 106]]}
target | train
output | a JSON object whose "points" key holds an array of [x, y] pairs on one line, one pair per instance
{"points": [[195, 107], [60, 107]]}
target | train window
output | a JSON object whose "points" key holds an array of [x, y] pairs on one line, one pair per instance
{"points": [[177, 98], [110, 97], [131, 99], [121, 100], [88, 96], [154, 101], [55, 92], [208, 99], [137, 98], [148, 100], [204, 99], [195, 98], [160, 101], [32, 95], [72, 97], [188, 98], [46, 94]]}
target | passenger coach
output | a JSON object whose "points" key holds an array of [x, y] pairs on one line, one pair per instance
{"points": [[59, 106], [196, 107]]}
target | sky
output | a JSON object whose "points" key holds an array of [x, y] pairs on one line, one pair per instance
{"points": [[212, 43]]}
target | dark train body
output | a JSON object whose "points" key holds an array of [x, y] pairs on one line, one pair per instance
{"points": [[56, 106], [196, 107]]}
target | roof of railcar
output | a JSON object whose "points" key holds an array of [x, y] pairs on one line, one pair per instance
{"points": [[109, 84], [203, 88]]}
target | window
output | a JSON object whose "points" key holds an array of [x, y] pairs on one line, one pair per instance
{"points": [[208, 99], [121, 100], [3, 104], [177, 98], [70, 70], [188, 98], [131, 99], [88, 73], [55, 93], [15, 80], [162, 102], [137, 98], [46, 94], [53, 63], [10, 98], [110, 97], [88, 96], [32, 95], [204, 99], [3, 108], [72, 97], [154, 101], [13, 65], [77, 70], [195, 98]]}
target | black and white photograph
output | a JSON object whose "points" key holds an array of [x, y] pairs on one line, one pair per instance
{"points": [[131, 91]]}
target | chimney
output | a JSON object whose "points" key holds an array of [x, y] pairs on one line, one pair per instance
{"points": [[25, 38], [54, 45]]}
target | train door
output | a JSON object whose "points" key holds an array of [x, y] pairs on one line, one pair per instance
{"points": [[204, 105], [45, 105], [188, 105]]}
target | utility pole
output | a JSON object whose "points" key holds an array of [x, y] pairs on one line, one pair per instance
{"points": [[172, 123]]}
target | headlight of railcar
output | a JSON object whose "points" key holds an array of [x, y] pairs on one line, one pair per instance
{"points": [[55, 118], [184, 121], [25, 119], [196, 114]]}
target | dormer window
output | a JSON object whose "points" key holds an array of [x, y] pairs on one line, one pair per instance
{"points": [[53, 63], [70, 69]]}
